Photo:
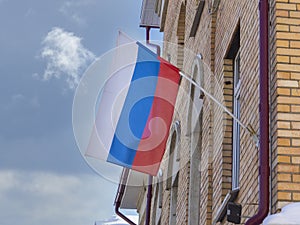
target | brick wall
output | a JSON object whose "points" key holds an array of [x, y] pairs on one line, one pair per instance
{"points": [[285, 90], [227, 123], [213, 40]]}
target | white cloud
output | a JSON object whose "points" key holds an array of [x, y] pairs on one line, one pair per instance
{"points": [[35, 198], [289, 215], [65, 56], [34, 102], [17, 97], [7, 181], [71, 9], [19, 100], [29, 12]]}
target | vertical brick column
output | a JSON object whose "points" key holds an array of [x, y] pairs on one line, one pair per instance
{"points": [[222, 157], [218, 127], [227, 128], [285, 99], [181, 36]]}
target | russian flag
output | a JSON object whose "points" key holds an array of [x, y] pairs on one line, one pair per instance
{"points": [[135, 110]]}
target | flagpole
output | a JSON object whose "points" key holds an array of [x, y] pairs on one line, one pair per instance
{"points": [[249, 129]]}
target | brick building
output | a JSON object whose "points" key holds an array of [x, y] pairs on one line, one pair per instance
{"points": [[211, 160]]}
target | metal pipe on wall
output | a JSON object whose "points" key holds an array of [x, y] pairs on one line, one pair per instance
{"points": [[264, 167], [120, 194]]}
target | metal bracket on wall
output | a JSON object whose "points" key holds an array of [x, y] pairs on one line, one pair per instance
{"points": [[230, 197]]}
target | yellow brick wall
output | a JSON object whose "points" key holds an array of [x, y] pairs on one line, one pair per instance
{"points": [[229, 15], [173, 24], [182, 205], [226, 151], [285, 65], [166, 206], [213, 40]]}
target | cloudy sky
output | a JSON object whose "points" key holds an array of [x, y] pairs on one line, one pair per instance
{"points": [[45, 46]]}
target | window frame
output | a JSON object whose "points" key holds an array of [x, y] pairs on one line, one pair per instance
{"points": [[236, 148], [174, 154], [194, 132]]}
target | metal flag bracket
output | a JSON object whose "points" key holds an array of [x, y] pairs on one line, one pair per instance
{"points": [[248, 128]]}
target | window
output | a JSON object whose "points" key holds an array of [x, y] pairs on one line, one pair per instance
{"points": [[215, 4], [197, 18], [236, 126], [163, 12], [196, 97], [173, 170], [173, 202], [194, 132], [233, 55], [169, 57], [232, 90], [174, 154]]}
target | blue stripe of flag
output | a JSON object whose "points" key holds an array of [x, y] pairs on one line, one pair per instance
{"points": [[136, 109]]}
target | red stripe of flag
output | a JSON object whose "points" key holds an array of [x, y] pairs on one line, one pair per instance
{"points": [[150, 151]]}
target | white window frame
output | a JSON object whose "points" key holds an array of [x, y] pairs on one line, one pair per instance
{"points": [[194, 128], [173, 170], [236, 126], [174, 154], [196, 102]]}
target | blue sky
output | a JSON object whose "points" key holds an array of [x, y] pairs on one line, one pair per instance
{"points": [[45, 47]]}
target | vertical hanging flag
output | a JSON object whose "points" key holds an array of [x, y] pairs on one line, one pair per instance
{"points": [[135, 110]]}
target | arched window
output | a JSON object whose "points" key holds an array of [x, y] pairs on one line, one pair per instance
{"points": [[173, 170], [174, 154], [196, 97], [194, 122]]}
